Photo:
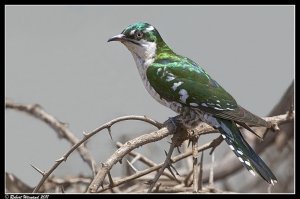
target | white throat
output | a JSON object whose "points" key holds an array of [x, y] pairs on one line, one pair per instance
{"points": [[143, 55]]}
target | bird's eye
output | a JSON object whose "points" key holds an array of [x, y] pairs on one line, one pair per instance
{"points": [[138, 34]]}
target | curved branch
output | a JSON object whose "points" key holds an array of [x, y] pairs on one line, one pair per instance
{"points": [[60, 128], [86, 137], [122, 151], [151, 137]]}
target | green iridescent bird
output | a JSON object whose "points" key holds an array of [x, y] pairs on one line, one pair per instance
{"points": [[182, 85]]}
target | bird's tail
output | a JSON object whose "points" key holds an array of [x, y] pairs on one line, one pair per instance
{"points": [[243, 150]]}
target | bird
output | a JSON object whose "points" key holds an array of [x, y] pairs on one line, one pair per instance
{"points": [[182, 85]]}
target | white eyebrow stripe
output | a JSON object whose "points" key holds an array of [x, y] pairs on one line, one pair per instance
{"points": [[132, 32], [149, 28]]}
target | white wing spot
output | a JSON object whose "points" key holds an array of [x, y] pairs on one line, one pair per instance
{"points": [[175, 85], [227, 103], [252, 172], [218, 108], [158, 70], [218, 105], [224, 136], [183, 95], [240, 152], [229, 109], [193, 104], [203, 104], [247, 163], [170, 78], [218, 101], [241, 159], [231, 147]]}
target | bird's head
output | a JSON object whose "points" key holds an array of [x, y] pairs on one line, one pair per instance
{"points": [[141, 39]]}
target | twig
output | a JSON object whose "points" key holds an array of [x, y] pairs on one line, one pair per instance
{"points": [[186, 179], [62, 130], [195, 162], [146, 161], [124, 150], [218, 141], [165, 165], [277, 119], [132, 167], [211, 173], [89, 135], [155, 168], [15, 185], [200, 172]]}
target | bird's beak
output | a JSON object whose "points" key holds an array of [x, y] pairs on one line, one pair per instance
{"points": [[119, 37]]}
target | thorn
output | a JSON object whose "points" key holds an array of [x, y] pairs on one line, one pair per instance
{"points": [[169, 168], [62, 189], [178, 149], [165, 152], [275, 127], [38, 170], [111, 182], [61, 159], [212, 150], [85, 133], [189, 142], [120, 161], [217, 142], [174, 169], [109, 132]]}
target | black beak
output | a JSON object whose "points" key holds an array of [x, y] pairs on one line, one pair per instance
{"points": [[119, 37]]}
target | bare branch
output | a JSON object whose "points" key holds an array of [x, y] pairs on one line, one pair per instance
{"points": [[89, 135], [60, 128], [211, 173], [146, 161], [200, 172], [155, 168], [122, 151], [165, 165], [195, 163]]}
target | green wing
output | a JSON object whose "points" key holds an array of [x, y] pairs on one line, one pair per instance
{"points": [[183, 81]]}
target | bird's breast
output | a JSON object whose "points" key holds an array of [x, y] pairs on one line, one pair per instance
{"points": [[142, 66]]}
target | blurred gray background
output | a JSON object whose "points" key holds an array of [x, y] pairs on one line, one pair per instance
{"points": [[58, 56]]}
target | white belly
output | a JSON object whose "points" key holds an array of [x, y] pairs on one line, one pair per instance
{"points": [[142, 68]]}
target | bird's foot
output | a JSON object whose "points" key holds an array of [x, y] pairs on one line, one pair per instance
{"points": [[172, 123]]}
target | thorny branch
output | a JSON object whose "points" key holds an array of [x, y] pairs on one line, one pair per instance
{"points": [[102, 172], [59, 127]]}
